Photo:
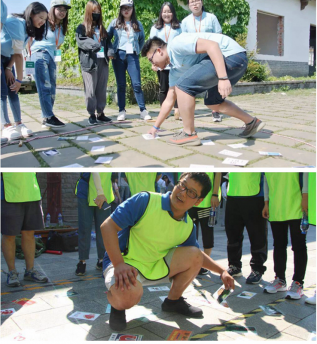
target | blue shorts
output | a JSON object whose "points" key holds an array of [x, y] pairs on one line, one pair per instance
{"points": [[202, 77]]}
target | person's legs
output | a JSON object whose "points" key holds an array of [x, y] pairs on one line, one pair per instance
{"points": [[8, 250], [52, 71], [163, 76], [90, 83], [101, 87], [100, 216], [28, 248], [85, 218], [4, 94], [120, 67], [207, 232]]}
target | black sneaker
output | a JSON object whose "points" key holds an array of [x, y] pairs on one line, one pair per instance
{"points": [[182, 307], [234, 271], [81, 269], [52, 122], [117, 320], [99, 265], [103, 119], [92, 120], [203, 271], [254, 277]]}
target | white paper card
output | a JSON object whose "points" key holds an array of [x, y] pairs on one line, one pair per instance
{"points": [[246, 295], [82, 138], [129, 48], [96, 149], [51, 152], [230, 153], [270, 153], [207, 143], [58, 55], [73, 166], [163, 298], [150, 136], [84, 316], [200, 166], [95, 139], [108, 309], [101, 53], [29, 67], [8, 311], [238, 145], [158, 288], [104, 160], [235, 162]]}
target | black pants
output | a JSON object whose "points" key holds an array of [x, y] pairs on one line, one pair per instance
{"points": [[206, 231], [164, 85], [280, 236], [246, 212]]}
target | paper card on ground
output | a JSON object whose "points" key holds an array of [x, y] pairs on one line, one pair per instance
{"points": [[179, 335], [230, 153], [64, 138], [84, 316], [73, 166], [82, 138], [150, 137], [108, 309], [67, 294], [221, 294], [312, 337], [51, 152], [241, 329], [123, 337], [95, 139], [270, 153], [24, 302], [269, 310], [8, 311], [158, 288], [163, 298], [235, 162], [104, 160], [200, 166], [238, 145], [207, 143], [96, 149], [246, 295]]}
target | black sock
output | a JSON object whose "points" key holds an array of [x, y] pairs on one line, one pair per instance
{"points": [[114, 310]]}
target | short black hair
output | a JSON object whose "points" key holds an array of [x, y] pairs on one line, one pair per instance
{"points": [[150, 43], [202, 178]]}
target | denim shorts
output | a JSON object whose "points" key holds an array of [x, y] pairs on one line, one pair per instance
{"points": [[202, 77]]}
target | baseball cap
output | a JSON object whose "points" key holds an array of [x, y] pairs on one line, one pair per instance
{"points": [[55, 3], [126, 3]]}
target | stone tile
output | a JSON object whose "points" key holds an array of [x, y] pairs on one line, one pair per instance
{"points": [[48, 143], [147, 335], [198, 159], [14, 156], [274, 162], [8, 327], [285, 337], [303, 135], [113, 132], [302, 329], [71, 115], [110, 146], [70, 128]]}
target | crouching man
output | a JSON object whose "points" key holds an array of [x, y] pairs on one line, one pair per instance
{"points": [[150, 240]]}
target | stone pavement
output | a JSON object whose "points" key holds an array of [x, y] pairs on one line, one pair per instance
{"points": [[49, 317], [290, 130]]}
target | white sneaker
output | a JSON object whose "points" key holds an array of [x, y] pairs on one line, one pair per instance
{"points": [[11, 133], [216, 117], [121, 116], [145, 115], [295, 291], [23, 130], [275, 286], [311, 300]]}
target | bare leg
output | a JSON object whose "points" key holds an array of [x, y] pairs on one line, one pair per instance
{"points": [[208, 251], [126, 299], [186, 106], [28, 247], [8, 249]]}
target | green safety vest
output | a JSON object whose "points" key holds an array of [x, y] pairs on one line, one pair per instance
{"points": [[153, 236], [285, 197], [141, 181], [106, 187], [21, 187], [244, 184], [312, 198]]}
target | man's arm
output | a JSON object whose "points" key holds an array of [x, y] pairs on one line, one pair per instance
{"points": [[214, 199]]}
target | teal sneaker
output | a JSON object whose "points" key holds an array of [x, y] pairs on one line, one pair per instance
{"points": [[34, 276]]}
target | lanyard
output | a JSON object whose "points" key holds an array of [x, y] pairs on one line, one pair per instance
{"points": [[199, 24], [167, 36], [57, 38]]}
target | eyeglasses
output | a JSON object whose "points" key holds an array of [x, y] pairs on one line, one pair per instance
{"points": [[190, 193], [60, 10], [151, 59], [126, 8], [194, 2]]}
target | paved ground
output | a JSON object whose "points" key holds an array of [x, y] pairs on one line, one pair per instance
{"points": [[290, 130], [49, 317]]}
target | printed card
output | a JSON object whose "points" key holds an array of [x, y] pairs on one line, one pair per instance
{"points": [[179, 335], [158, 288], [123, 337], [9, 311], [269, 310], [221, 294], [84, 316], [270, 153], [95, 139], [24, 302], [97, 149], [246, 295], [73, 166], [235, 162], [230, 153], [104, 160], [82, 138], [238, 145], [207, 143], [163, 298], [150, 137], [51, 152]]}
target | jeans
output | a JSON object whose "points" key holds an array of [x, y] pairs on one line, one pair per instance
{"points": [[5, 93], [86, 215], [45, 78], [124, 193], [280, 236], [128, 62]]}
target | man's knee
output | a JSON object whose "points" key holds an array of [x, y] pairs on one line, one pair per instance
{"points": [[8, 238], [126, 299], [194, 255], [27, 234]]}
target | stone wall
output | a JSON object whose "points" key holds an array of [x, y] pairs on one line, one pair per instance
{"points": [[282, 68]]}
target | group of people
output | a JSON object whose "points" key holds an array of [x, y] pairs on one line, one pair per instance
{"points": [[152, 238], [190, 57]]}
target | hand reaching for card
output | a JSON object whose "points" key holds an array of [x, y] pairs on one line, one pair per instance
{"points": [[125, 275]]}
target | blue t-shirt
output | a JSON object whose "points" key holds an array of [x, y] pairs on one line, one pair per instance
{"points": [[124, 37], [209, 23], [4, 12], [49, 43], [182, 51], [128, 213], [13, 36], [83, 185]]}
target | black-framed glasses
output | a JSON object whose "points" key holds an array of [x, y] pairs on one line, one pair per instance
{"points": [[151, 58], [127, 8], [190, 193], [61, 10]]}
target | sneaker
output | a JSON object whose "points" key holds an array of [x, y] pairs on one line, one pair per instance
{"points": [[203, 271], [145, 115], [99, 265], [295, 292], [12, 279], [81, 269], [252, 128], [182, 307], [52, 122], [92, 120], [254, 277], [11, 133], [4, 140], [121, 116], [103, 119], [234, 271], [275, 286], [183, 139], [34, 276], [23, 130], [216, 117], [117, 320], [311, 300]]}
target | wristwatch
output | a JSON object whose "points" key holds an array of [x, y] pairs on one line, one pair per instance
{"points": [[8, 68], [224, 78], [214, 195]]}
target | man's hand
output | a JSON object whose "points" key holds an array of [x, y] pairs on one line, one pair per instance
{"points": [[99, 200], [124, 274], [9, 77], [265, 211], [224, 88], [227, 280], [214, 202], [305, 203], [153, 131], [15, 87], [154, 68]]}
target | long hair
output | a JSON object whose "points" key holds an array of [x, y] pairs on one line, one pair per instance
{"points": [[203, 8], [120, 24], [91, 4], [32, 31], [160, 22], [52, 20]]}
